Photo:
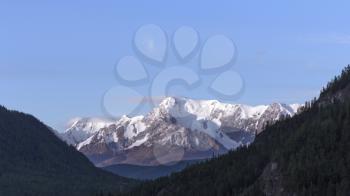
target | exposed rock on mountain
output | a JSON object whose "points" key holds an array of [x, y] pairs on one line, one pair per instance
{"points": [[195, 128]]}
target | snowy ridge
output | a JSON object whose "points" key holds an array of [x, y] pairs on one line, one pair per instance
{"points": [[82, 128], [195, 125]]}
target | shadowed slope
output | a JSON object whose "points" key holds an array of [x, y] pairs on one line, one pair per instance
{"points": [[33, 161]]}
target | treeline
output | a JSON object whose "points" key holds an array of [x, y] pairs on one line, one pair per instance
{"points": [[338, 83]]}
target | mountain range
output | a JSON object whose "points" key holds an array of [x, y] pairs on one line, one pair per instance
{"points": [[189, 129], [304, 154]]}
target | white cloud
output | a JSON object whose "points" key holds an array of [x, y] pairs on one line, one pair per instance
{"points": [[72, 121]]}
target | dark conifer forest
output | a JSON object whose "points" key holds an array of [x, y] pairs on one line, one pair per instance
{"points": [[33, 161]]}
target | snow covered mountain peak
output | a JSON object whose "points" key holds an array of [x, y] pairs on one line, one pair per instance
{"points": [[82, 128], [90, 123], [182, 107], [195, 125]]}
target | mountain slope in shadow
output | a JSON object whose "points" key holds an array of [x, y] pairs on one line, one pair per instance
{"points": [[33, 161]]}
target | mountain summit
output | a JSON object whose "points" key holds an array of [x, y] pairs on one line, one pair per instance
{"points": [[198, 128]]}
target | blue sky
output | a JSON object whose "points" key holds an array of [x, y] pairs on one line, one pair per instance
{"points": [[57, 58]]}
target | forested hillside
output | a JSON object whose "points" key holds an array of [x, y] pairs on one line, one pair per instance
{"points": [[33, 161], [308, 154]]}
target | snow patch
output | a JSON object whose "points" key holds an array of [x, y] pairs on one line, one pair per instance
{"points": [[139, 142]]}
